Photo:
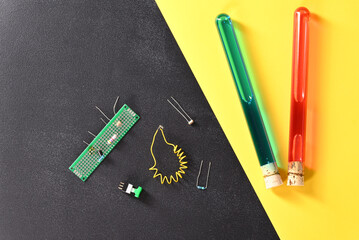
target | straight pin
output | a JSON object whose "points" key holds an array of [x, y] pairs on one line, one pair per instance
{"points": [[114, 106], [102, 113], [121, 185], [91, 133], [103, 121]]}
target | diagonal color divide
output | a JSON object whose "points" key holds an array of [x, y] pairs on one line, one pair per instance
{"points": [[325, 206]]}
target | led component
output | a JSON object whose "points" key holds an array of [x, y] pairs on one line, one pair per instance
{"points": [[128, 188]]}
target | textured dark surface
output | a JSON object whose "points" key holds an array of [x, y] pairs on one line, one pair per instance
{"points": [[60, 58]]}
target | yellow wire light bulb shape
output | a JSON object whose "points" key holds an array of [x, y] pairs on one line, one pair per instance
{"points": [[177, 151]]}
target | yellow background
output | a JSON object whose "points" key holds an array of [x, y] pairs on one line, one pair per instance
{"points": [[327, 206]]}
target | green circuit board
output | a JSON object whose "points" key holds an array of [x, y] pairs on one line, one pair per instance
{"points": [[104, 142]]}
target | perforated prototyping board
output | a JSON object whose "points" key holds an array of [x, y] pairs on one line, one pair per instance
{"points": [[90, 158]]}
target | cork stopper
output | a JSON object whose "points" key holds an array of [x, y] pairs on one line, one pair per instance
{"points": [[271, 175], [295, 174], [273, 181]]}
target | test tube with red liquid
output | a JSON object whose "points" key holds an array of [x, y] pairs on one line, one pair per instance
{"points": [[298, 112]]}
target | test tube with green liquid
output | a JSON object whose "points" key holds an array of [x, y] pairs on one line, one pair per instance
{"points": [[248, 102]]}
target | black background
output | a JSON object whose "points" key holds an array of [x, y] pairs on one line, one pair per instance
{"points": [[60, 58]]}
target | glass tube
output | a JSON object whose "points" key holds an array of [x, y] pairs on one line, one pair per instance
{"points": [[248, 102], [298, 113]]}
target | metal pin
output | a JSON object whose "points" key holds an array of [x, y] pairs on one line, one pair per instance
{"points": [[121, 185], [199, 174], [91, 133], [85, 143], [102, 113], [184, 114], [103, 121], [114, 106]]}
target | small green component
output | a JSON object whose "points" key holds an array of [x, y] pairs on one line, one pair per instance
{"points": [[138, 192], [104, 142], [129, 189]]}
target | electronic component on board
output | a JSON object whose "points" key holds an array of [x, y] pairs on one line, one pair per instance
{"points": [[105, 141]]}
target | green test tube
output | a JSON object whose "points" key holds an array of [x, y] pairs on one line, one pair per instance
{"points": [[248, 101]]}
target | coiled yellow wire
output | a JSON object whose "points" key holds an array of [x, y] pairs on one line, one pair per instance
{"points": [[177, 151]]}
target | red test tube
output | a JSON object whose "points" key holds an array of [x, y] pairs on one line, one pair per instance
{"points": [[298, 113]]}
